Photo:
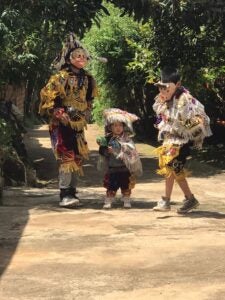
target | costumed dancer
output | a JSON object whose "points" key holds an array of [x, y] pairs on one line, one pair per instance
{"points": [[67, 99], [123, 163], [181, 123]]}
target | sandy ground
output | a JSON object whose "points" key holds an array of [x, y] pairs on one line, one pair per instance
{"points": [[47, 252]]}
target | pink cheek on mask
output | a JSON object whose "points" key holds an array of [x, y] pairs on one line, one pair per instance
{"points": [[163, 96]]}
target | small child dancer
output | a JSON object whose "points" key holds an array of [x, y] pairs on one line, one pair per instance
{"points": [[123, 163], [182, 123]]}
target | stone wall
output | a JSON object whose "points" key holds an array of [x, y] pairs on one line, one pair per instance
{"points": [[15, 93]]}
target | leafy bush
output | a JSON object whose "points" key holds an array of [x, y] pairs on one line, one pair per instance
{"points": [[6, 132], [110, 41]]}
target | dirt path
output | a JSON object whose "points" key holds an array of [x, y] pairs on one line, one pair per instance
{"points": [[47, 252]]}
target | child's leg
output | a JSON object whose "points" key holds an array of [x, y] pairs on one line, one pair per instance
{"points": [[67, 185], [190, 202], [110, 196], [127, 182], [111, 185], [164, 203], [126, 198], [183, 184], [169, 182]]}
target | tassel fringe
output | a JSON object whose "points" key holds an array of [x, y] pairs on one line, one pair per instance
{"points": [[78, 125], [166, 154], [71, 167]]}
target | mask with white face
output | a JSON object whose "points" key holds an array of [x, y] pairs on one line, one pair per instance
{"points": [[167, 91]]}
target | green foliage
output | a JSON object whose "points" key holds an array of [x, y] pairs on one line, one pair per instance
{"points": [[103, 101], [186, 34], [31, 35], [111, 41], [6, 132]]}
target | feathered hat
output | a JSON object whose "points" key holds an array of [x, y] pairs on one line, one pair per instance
{"points": [[71, 43], [112, 115], [168, 74]]}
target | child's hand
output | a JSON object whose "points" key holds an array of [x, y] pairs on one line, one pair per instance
{"points": [[110, 150], [162, 98], [200, 119], [101, 141]]}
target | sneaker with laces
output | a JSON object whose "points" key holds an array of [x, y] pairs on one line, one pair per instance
{"points": [[162, 205], [188, 205], [69, 201], [126, 202], [108, 203]]}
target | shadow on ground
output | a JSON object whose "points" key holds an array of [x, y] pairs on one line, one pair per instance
{"points": [[197, 214], [13, 222], [11, 231]]}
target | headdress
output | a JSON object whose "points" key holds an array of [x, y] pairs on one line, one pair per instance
{"points": [[112, 115], [128, 152], [71, 43]]}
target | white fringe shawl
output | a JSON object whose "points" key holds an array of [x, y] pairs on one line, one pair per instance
{"points": [[129, 155], [184, 120]]}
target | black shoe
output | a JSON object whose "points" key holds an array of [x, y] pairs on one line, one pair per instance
{"points": [[68, 192], [188, 205]]}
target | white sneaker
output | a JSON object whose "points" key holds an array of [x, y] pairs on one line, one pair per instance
{"points": [[108, 203], [68, 201], [162, 205], [126, 202]]}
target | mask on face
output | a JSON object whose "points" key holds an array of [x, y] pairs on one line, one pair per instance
{"points": [[78, 58], [167, 91]]}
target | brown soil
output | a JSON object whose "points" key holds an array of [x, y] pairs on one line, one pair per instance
{"points": [[47, 252]]}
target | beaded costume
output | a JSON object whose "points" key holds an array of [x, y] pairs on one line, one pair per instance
{"points": [[66, 100], [68, 92], [123, 165], [180, 121]]}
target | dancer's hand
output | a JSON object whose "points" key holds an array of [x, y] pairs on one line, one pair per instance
{"points": [[65, 118]]}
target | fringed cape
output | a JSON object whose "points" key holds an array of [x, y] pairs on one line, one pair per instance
{"points": [[67, 90], [179, 121]]}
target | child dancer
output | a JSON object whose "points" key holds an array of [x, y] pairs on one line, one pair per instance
{"points": [[182, 122], [122, 160], [66, 100]]}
